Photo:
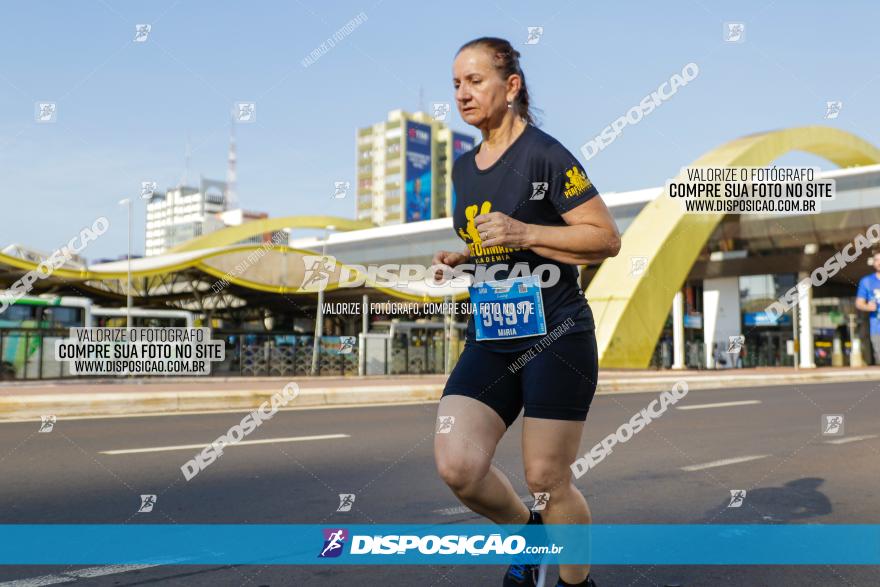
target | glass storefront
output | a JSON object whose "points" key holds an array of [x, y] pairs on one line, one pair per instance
{"points": [[768, 342], [694, 350], [831, 331]]}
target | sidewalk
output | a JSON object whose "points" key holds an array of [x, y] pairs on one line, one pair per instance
{"points": [[75, 397]]}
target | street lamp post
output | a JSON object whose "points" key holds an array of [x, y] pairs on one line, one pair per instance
{"points": [[319, 313], [127, 202]]}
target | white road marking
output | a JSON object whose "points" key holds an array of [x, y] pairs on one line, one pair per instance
{"points": [[847, 439], [453, 511], [74, 575], [746, 402], [723, 462], [128, 451]]}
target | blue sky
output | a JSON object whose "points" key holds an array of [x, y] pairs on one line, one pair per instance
{"points": [[125, 109]]}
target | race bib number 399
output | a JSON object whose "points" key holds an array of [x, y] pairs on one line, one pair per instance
{"points": [[512, 308]]}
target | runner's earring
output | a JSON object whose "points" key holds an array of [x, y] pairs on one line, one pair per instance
{"points": [[510, 104]]}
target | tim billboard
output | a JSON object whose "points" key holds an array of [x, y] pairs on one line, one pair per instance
{"points": [[418, 172]]}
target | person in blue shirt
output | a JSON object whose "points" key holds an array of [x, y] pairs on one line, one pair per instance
{"points": [[867, 300]]}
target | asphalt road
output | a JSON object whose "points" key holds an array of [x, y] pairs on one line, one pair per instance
{"points": [[383, 455]]}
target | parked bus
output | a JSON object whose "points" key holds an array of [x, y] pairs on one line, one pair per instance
{"points": [[31, 325]]}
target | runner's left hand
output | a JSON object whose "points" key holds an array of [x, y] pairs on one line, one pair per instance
{"points": [[499, 229]]}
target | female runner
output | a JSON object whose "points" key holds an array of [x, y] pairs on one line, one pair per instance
{"points": [[523, 200]]}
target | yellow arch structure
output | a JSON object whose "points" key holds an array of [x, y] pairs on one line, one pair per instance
{"points": [[234, 234], [233, 264], [630, 311]]}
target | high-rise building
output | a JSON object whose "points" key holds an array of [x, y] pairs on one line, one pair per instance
{"points": [[182, 214], [404, 168]]}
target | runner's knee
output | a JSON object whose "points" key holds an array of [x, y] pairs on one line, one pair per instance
{"points": [[545, 477], [461, 471]]}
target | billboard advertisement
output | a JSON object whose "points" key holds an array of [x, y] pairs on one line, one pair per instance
{"points": [[461, 144], [765, 319], [417, 187]]}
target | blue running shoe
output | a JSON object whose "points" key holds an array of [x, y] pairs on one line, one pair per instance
{"points": [[527, 575]]}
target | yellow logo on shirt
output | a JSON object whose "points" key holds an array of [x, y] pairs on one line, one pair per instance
{"points": [[577, 182], [471, 236]]}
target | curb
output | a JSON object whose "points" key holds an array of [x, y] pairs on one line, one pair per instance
{"points": [[194, 379], [724, 380], [169, 402], [115, 404]]}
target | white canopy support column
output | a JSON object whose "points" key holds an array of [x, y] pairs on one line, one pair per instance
{"points": [[805, 312], [678, 331], [721, 317]]}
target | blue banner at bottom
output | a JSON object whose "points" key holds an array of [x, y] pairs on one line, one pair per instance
{"points": [[447, 544]]}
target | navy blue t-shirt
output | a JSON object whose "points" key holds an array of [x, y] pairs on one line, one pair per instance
{"points": [[535, 181]]}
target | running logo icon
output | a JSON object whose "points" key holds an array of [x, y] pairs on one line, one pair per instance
{"points": [[346, 501], [832, 424], [346, 345], [47, 423], [638, 266], [245, 112], [734, 32], [737, 496], [534, 35], [47, 112], [341, 189], [317, 272], [334, 542], [541, 500], [833, 108], [445, 425], [147, 503], [735, 343], [142, 32], [148, 188], [441, 110], [539, 190]]}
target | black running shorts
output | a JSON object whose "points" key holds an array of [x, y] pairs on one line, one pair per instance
{"points": [[554, 380]]}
